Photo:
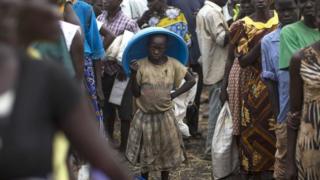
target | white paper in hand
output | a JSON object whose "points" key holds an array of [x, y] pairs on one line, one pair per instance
{"points": [[117, 91]]}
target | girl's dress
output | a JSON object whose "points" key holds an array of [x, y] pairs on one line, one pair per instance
{"points": [[308, 144], [257, 146], [155, 140]]}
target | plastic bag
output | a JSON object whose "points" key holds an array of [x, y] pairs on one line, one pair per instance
{"points": [[225, 157], [181, 104]]}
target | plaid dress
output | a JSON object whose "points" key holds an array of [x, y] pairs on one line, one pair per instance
{"points": [[154, 140]]}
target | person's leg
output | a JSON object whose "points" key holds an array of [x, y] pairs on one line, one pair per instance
{"points": [[145, 175], [109, 111], [164, 175], [125, 115], [214, 110], [194, 119], [280, 156]]}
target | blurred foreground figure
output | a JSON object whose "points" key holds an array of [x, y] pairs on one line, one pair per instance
{"points": [[38, 98]]}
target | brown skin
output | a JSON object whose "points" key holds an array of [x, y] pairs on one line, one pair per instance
{"points": [[32, 14], [157, 48], [77, 56], [296, 97], [84, 135], [109, 37]]}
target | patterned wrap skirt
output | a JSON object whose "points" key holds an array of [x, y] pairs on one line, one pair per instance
{"points": [[91, 89], [257, 143], [155, 142]]}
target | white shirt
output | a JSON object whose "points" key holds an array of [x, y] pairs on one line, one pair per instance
{"points": [[69, 31], [211, 31], [134, 9]]}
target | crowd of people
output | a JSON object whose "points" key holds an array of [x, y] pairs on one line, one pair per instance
{"points": [[64, 82]]}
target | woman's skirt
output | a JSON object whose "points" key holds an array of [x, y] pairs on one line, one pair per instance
{"points": [[91, 88], [155, 142]]}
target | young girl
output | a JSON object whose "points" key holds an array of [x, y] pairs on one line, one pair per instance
{"points": [[154, 139]]}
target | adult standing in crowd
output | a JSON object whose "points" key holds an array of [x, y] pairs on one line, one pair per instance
{"points": [[298, 35], [213, 36], [115, 21], [303, 122], [190, 9], [230, 90], [94, 51], [162, 15], [27, 131], [257, 139], [276, 81]]}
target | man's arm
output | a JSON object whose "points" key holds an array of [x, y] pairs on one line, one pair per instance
{"points": [[269, 74]]}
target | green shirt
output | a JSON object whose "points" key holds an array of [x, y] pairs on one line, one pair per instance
{"points": [[293, 38], [58, 52]]}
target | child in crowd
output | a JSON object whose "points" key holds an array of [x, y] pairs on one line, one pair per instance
{"points": [[154, 139]]}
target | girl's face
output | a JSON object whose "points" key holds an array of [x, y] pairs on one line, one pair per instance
{"points": [[246, 7], [307, 8], [157, 47], [261, 4], [155, 5]]}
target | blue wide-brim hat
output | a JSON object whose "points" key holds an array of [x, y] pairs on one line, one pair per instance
{"points": [[137, 47]]}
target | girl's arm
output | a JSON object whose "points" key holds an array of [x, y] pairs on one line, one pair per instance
{"points": [[134, 84], [251, 56], [190, 82], [294, 118]]}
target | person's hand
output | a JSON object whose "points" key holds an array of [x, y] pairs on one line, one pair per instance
{"points": [[224, 95], [134, 66], [145, 18], [121, 75], [173, 95], [291, 171]]}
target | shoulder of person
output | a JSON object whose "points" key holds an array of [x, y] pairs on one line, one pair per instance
{"points": [[268, 37], [291, 28], [174, 61]]}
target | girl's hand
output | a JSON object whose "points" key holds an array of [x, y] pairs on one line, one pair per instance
{"points": [[173, 95], [134, 66]]}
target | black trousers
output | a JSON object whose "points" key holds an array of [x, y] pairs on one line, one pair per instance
{"points": [[124, 110], [193, 113]]}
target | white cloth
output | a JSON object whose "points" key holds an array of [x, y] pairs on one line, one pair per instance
{"points": [[180, 107], [69, 31], [225, 156], [6, 103], [115, 51], [99, 24], [211, 31], [226, 13], [134, 9]]}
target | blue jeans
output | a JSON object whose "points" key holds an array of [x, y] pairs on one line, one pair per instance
{"points": [[214, 110]]}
